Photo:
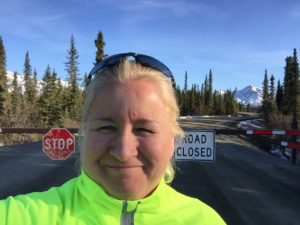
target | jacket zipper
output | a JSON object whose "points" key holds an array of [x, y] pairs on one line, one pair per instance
{"points": [[127, 217]]}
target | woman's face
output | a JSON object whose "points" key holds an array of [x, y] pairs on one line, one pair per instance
{"points": [[128, 139]]}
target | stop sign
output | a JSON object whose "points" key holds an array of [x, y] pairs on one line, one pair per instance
{"points": [[58, 143]]}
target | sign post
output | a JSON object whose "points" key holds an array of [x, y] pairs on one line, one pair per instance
{"points": [[196, 146], [58, 144]]}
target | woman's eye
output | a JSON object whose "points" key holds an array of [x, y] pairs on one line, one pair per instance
{"points": [[145, 130], [106, 128]]}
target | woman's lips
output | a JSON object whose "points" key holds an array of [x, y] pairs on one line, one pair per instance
{"points": [[123, 166]]}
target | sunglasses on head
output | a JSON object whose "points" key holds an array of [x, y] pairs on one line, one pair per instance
{"points": [[144, 60]]}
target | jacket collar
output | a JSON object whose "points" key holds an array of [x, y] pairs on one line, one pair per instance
{"points": [[95, 194]]}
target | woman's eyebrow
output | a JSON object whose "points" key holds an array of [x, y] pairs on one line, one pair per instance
{"points": [[147, 121], [102, 120]]}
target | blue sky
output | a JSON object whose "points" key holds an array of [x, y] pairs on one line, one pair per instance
{"points": [[237, 39]]}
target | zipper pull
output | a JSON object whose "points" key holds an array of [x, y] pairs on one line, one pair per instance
{"points": [[127, 217]]}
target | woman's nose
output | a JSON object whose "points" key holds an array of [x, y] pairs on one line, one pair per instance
{"points": [[124, 146]]}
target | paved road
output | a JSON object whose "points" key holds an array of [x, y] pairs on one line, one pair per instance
{"points": [[245, 185]]}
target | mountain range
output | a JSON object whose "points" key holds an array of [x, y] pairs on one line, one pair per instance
{"points": [[251, 94]]}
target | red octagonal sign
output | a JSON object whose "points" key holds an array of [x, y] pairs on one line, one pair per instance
{"points": [[58, 143]]}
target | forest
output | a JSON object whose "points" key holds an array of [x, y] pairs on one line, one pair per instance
{"points": [[58, 105]]}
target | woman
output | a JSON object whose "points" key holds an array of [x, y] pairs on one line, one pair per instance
{"points": [[128, 130]]}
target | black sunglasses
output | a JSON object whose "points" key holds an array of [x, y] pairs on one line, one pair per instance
{"points": [[144, 60]]}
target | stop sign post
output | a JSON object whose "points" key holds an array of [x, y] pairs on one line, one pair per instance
{"points": [[58, 143]]}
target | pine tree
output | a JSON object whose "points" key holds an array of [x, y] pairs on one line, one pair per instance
{"points": [[201, 104], [35, 83], [210, 90], [230, 104], [291, 92], [44, 101], [206, 95], [56, 115], [27, 78], [179, 98], [272, 100], [50, 101], [193, 96], [208, 100], [185, 97], [3, 79], [185, 87], [17, 115], [99, 43], [215, 107], [295, 100], [288, 83], [221, 102], [279, 96], [85, 80], [74, 94], [265, 97], [30, 94]]}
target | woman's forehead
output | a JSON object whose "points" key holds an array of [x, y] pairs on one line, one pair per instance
{"points": [[137, 99], [141, 87]]}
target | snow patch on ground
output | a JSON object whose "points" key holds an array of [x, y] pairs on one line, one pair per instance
{"points": [[251, 124]]}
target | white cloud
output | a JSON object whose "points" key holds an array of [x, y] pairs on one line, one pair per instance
{"points": [[147, 10]]}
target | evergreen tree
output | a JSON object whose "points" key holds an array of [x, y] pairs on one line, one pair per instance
{"points": [[208, 100], [210, 90], [50, 101], [230, 104], [221, 102], [179, 98], [288, 83], [30, 94], [56, 115], [44, 102], [206, 95], [291, 92], [201, 104], [35, 83], [85, 80], [185, 87], [215, 107], [74, 103], [16, 115], [279, 96], [185, 97], [272, 100], [218, 103], [30, 88], [99, 43], [3, 79], [295, 98], [192, 100], [265, 97]]}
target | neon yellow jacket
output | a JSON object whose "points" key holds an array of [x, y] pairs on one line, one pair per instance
{"points": [[82, 201]]}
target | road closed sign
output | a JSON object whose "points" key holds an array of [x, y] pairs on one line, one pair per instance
{"points": [[196, 146]]}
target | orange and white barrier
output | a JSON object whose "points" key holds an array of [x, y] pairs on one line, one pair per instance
{"points": [[273, 132], [290, 145]]}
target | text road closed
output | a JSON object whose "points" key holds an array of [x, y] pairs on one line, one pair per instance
{"points": [[196, 145]]}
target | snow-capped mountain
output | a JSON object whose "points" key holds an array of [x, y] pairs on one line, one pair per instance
{"points": [[249, 95], [20, 78]]}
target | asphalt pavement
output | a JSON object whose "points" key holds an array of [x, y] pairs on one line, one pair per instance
{"points": [[244, 185]]}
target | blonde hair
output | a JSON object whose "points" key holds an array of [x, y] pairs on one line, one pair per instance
{"points": [[128, 71]]}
